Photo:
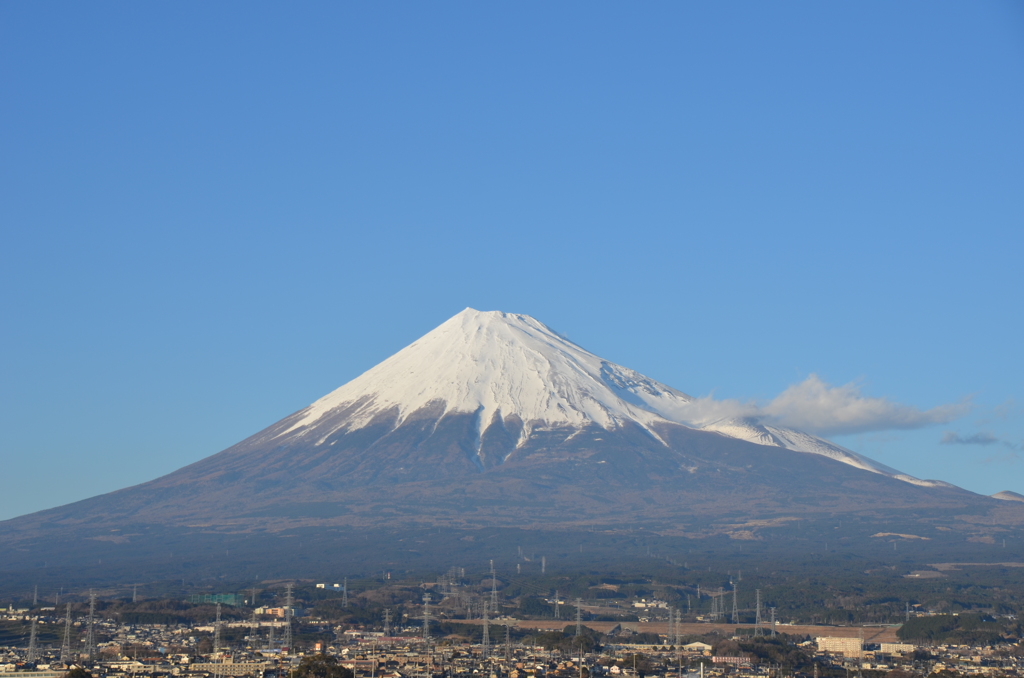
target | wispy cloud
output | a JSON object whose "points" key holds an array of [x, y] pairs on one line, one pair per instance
{"points": [[982, 438], [817, 407], [953, 438]]}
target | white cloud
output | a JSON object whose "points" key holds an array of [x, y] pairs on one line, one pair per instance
{"points": [[816, 407], [820, 408]]}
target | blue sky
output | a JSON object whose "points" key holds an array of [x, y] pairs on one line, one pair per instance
{"points": [[213, 214]]}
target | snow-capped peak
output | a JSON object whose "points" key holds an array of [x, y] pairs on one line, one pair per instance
{"points": [[493, 363]]}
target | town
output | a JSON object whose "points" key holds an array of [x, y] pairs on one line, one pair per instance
{"points": [[459, 626]]}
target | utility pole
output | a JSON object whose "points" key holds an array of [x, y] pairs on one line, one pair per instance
{"points": [[387, 623], [65, 649]]}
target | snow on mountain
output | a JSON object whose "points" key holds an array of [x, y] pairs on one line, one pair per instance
{"points": [[493, 362], [503, 364]]}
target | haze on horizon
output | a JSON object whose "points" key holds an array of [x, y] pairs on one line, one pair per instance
{"points": [[215, 215]]}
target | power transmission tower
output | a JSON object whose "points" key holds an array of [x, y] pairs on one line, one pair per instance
{"points": [[344, 593], [679, 633], [288, 618], [494, 590], [669, 634], [90, 638], [543, 564], [426, 616], [735, 617], [721, 603], [487, 635], [757, 615], [32, 641], [35, 596], [579, 622], [557, 615], [65, 648], [135, 593], [508, 646], [254, 629], [216, 632], [387, 623], [773, 622]]}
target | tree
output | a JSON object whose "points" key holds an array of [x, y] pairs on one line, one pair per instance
{"points": [[321, 666]]}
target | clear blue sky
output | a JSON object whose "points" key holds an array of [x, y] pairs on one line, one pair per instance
{"points": [[214, 213]]}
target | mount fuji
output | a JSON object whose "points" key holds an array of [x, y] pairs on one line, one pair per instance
{"points": [[516, 377], [495, 421]]}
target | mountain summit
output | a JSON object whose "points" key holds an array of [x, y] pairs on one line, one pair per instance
{"points": [[493, 421]]}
